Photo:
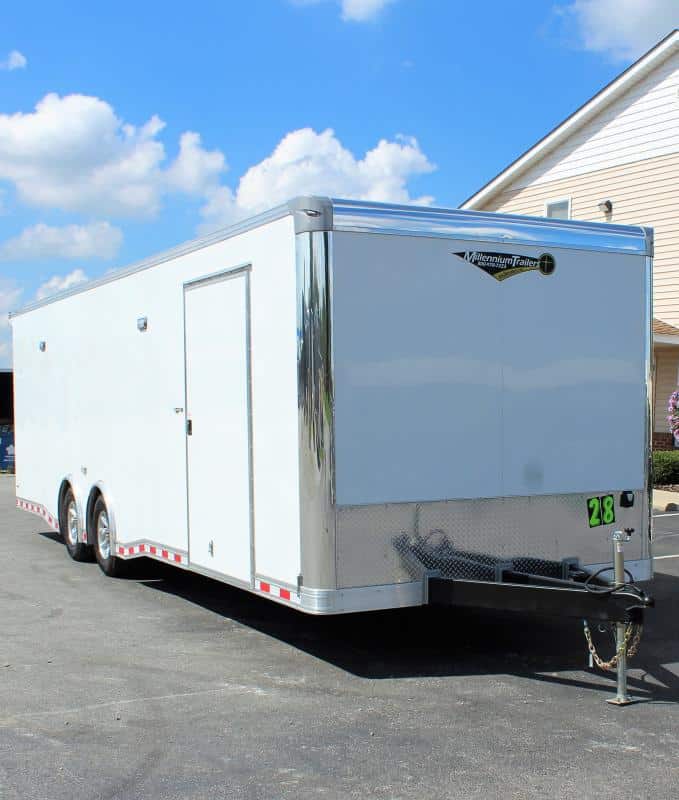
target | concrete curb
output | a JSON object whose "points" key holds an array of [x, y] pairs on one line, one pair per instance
{"points": [[665, 502]]}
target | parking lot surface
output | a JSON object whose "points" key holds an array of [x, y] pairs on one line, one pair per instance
{"points": [[169, 685]]}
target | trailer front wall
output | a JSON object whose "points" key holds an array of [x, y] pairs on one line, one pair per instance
{"points": [[104, 402], [453, 386]]}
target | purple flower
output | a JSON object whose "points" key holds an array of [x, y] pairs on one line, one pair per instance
{"points": [[673, 415]]}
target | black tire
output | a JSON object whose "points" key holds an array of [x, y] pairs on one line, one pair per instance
{"points": [[109, 564], [68, 528]]}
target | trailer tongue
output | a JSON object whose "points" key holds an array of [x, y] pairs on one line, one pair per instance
{"points": [[534, 594], [554, 588]]}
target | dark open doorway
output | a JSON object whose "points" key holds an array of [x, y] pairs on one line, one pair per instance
{"points": [[6, 421]]}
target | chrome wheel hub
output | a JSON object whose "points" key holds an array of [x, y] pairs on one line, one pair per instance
{"points": [[103, 536], [72, 523]]}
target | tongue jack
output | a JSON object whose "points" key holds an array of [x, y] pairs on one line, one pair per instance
{"points": [[619, 538]]}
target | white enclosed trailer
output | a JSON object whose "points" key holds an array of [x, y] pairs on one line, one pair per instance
{"points": [[330, 402]]}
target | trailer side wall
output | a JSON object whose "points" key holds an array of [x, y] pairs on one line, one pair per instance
{"points": [[99, 404]]}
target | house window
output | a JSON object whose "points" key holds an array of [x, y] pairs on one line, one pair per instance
{"points": [[558, 209]]}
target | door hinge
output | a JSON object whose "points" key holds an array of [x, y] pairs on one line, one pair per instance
{"points": [[189, 427]]}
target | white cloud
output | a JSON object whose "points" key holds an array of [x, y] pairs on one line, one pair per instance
{"points": [[353, 10], [307, 162], [363, 10], [75, 154], [622, 29], [194, 170], [95, 240], [59, 283], [10, 294], [15, 60], [10, 297]]}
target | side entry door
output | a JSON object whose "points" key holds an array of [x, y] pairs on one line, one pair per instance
{"points": [[218, 425]]}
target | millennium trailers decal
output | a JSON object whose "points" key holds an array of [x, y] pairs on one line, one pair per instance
{"points": [[504, 265]]}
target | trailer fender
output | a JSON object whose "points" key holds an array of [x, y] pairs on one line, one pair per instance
{"points": [[69, 483], [100, 490]]}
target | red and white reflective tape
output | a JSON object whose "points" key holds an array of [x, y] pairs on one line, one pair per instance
{"points": [[151, 550], [280, 592], [41, 511]]}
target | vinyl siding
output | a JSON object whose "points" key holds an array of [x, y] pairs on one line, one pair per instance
{"points": [[643, 193], [642, 124], [627, 153]]}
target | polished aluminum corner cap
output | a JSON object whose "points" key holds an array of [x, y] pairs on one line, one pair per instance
{"points": [[353, 215]]}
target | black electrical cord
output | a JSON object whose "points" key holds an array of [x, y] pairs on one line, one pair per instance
{"points": [[613, 588]]}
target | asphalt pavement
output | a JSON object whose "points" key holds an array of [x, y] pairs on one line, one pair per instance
{"points": [[169, 685]]}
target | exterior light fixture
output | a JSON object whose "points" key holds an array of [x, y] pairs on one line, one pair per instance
{"points": [[142, 324], [606, 206], [42, 347]]}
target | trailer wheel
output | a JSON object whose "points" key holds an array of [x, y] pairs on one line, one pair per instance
{"points": [[103, 541], [69, 527]]}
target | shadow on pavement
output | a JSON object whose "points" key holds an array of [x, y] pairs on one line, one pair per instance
{"points": [[429, 641]]}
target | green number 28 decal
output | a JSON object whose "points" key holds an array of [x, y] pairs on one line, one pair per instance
{"points": [[601, 510]]}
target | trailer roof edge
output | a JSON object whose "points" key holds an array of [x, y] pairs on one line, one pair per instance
{"points": [[317, 213], [190, 246], [356, 215]]}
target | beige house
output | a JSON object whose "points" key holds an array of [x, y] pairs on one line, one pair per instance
{"points": [[616, 159]]}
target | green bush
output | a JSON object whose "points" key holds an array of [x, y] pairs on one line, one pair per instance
{"points": [[665, 467]]}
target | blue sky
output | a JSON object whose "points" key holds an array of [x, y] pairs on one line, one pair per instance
{"points": [[128, 127]]}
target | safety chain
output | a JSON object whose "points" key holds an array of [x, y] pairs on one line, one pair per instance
{"points": [[629, 646]]}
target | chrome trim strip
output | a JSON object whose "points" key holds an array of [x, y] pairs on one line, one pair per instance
{"points": [[331, 362], [315, 410], [402, 595], [647, 539], [363, 598], [357, 216]]}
